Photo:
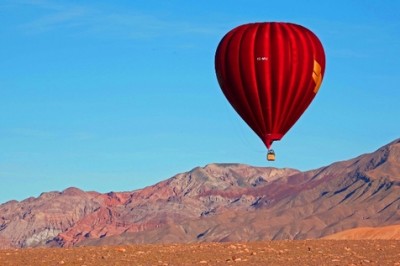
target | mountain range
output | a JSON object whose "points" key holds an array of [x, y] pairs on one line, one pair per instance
{"points": [[219, 202]]}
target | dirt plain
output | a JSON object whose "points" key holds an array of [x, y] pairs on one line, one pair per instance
{"points": [[298, 252]]}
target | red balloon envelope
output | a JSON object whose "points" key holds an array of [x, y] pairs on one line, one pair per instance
{"points": [[270, 73]]}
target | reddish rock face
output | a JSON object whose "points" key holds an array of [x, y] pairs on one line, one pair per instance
{"points": [[218, 202]]}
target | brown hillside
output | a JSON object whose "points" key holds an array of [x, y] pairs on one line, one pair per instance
{"points": [[391, 232]]}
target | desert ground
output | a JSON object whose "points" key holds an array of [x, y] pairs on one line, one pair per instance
{"points": [[298, 252]]}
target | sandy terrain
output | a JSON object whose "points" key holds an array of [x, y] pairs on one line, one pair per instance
{"points": [[307, 252], [365, 233]]}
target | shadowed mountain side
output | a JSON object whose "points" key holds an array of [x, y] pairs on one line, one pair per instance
{"points": [[219, 202]]}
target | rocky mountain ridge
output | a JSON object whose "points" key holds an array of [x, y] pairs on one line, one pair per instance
{"points": [[218, 202]]}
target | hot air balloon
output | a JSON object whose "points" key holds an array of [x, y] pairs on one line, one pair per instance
{"points": [[270, 73]]}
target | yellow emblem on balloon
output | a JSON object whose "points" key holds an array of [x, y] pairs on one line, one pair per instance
{"points": [[317, 76]]}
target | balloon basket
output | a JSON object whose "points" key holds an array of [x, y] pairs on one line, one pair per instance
{"points": [[271, 155]]}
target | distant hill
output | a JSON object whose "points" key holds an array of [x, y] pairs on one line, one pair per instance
{"points": [[390, 232], [218, 202]]}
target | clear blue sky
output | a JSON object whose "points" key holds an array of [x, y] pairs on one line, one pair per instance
{"points": [[117, 95]]}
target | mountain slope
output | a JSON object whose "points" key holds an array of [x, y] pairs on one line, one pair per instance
{"points": [[219, 202], [391, 232]]}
